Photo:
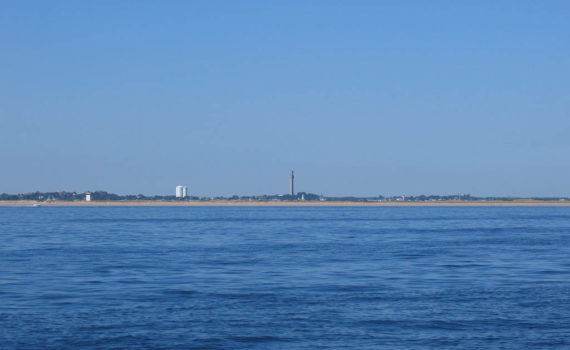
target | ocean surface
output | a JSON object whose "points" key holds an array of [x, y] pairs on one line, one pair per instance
{"points": [[285, 278]]}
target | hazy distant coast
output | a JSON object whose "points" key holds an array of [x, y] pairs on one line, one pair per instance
{"points": [[237, 203]]}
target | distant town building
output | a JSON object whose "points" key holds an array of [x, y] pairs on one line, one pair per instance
{"points": [[181, 191], [88, 197], [292, 183]]}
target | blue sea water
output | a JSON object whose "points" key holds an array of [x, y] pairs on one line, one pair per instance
{"points": [[285, 278]]}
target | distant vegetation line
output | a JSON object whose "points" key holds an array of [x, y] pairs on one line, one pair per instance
{"points": [[106, 196]]}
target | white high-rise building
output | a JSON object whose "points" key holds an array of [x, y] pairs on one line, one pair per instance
{"points": [[179, 191]]}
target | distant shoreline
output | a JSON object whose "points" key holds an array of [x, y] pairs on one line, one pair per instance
{"points": [[237, 203]]}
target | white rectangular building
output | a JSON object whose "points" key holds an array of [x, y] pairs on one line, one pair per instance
{"points": [[181, 191]]}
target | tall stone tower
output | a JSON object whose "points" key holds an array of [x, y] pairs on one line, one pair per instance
{"points": [[292, 183]]}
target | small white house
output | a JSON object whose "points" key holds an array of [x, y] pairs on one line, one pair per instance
{"points": [[88, 197]]}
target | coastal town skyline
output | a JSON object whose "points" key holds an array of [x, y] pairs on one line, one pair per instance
{"points": [[184, 192]]}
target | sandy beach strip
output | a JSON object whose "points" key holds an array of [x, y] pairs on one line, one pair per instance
{"points": [[223, 203]]}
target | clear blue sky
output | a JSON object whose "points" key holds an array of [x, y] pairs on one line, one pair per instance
{"points": [[358, 97]]}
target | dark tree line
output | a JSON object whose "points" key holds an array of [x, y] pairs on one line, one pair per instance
{"points": [[107, 196]]}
